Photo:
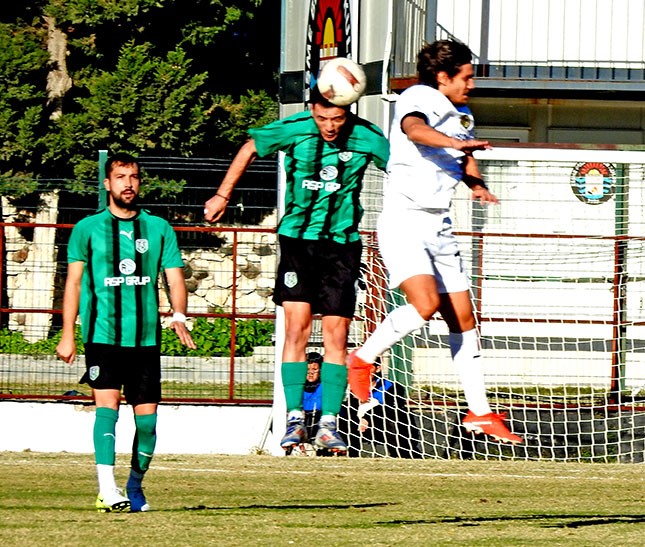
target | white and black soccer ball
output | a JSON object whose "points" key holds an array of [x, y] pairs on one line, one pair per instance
{"points": [[341, 81]]}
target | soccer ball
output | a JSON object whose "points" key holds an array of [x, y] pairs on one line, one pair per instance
{"points": [[341, 81]]}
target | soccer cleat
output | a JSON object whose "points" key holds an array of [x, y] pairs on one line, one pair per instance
{"points": [[329, 439], [359, 376], [137, 498], [112, 501], [296, 434], [491, 424]]}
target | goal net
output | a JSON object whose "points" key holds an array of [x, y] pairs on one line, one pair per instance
{"points": [[558, 288]]}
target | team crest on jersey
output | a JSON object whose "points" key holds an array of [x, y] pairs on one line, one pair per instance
{"points": [[345, 156], [328, 173], [94, 372], [127, 266], [466, 121], [141, 245], [290, 279]]}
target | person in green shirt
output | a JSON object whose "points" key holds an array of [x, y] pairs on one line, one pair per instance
{"points": [[327, 150], [114, 259]]}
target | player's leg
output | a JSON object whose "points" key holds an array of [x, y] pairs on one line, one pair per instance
{"points": [[465, 348], [423, 301], [142, 390], [110, 497], [404, 248], [293, 292], [103, 377], [294, 370], [339, 270], [333, 377]]}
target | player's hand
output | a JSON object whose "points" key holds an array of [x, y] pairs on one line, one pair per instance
{"points": [[483, 195], [363, 425], [183, 333], [66, 350], [469, 146], [214, 208]]}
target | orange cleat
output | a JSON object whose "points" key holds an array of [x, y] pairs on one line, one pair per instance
{"points": [[491, 424], [359, 376]]}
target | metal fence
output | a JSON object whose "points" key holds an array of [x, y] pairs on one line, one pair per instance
{"points": [[229, 270]]}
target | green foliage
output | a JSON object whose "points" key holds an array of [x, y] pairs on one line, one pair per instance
{"points": [[234, 119], [22, 98], [156, 77], [213, 337], [12, 341]]}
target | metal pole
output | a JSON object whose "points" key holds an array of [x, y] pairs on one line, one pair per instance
{"points": [[102, 201]]}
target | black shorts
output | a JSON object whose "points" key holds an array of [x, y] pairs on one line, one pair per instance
{"points": [[322, 273], [136, 370]]}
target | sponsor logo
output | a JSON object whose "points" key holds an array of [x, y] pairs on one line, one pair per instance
{"points": [[127, 266], [328, 173], [593, 182], [290, 279], [141, 245], [318, 185], [345, 156], [126, 234], [128, 281]]}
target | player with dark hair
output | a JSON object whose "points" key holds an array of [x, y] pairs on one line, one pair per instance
{"points": [[114, 259], [432, 144], [326, 152]]}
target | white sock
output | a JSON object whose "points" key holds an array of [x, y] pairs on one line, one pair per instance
{"points": [[295, 415], [106, 477], [399, 323], [465, 351], [328, 419]]}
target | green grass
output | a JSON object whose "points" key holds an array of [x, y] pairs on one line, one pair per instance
{"points": [[47, 499]]}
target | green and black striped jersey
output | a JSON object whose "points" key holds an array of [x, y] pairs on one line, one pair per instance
{"points": [[122, 259], [323, 179]]}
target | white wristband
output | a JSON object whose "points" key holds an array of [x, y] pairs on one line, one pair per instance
{"points": [[178, 317]]}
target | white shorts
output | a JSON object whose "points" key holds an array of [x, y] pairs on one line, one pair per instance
{"points": [[421, 242]]}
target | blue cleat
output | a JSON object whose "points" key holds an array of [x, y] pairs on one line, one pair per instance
{"points": [[296, 434], [328, 438], [137, 498]]}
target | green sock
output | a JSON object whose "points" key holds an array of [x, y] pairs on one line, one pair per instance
{"points": [[294, 376], [145, 439], [105, 435], [334, 384]]}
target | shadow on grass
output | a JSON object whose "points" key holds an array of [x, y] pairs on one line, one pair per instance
{"points": [[546, 521], [292, 506]]}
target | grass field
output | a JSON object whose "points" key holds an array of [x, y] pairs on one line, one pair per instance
{"points": [[47, 499]]}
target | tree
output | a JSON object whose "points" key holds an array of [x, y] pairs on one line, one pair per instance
{"points": [[163, 77]]}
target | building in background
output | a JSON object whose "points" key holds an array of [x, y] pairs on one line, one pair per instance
{"points": [[549, 71]]}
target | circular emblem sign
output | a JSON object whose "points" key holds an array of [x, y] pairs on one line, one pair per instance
{"points": [[593, 182], [328, 36]]}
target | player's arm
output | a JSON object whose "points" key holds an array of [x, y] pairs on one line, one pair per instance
{"points": [[179, 302], [473, 179], [418, 131], [66, 348], [214, 208]]}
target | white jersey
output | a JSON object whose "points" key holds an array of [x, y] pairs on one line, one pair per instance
{"points": [[424, 177]]}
